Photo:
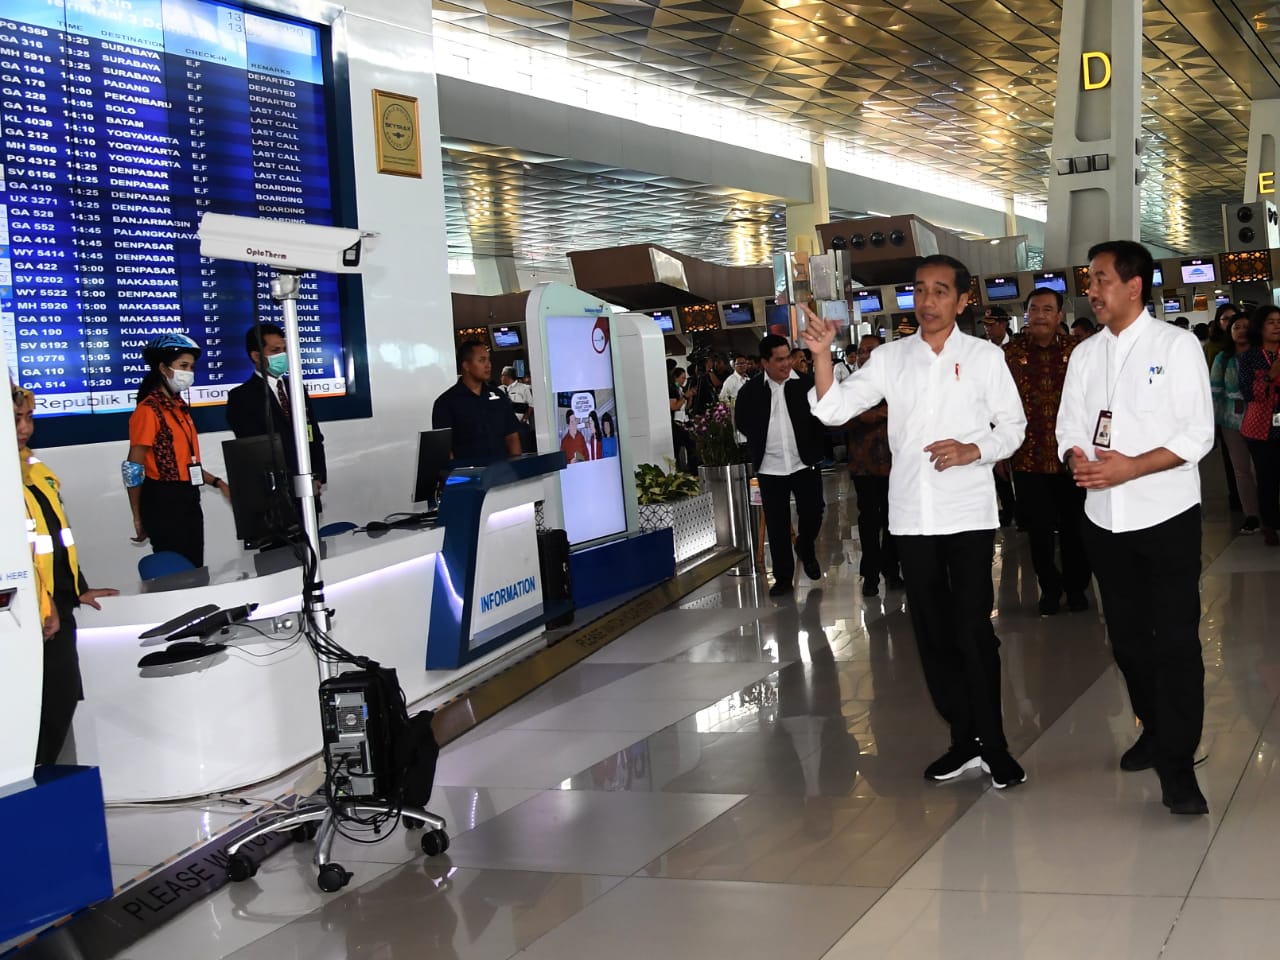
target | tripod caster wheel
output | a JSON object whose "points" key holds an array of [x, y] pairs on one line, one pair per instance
{"points": [[240, 868], [304, 832], [435, 842], [332, 878]]}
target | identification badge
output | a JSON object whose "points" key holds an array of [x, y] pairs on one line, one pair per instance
{"points": [[1102, 432], [1275, 419], [195, 474]]}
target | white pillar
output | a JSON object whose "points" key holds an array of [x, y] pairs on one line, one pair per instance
{"points": [[1260, 169], [1094, 170]]}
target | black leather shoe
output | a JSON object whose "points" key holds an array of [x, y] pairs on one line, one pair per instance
{"points": [[870, 588], [1048, 605], [1181, 793], [812, 569], [1076, 602], [780, 589], [1141, 756]]}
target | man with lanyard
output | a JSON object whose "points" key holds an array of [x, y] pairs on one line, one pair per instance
{"points": [[953, 412], [484, 426], [1135, 420], [1047, 496]]}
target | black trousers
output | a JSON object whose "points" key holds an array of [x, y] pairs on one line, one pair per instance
{"points": [[879, 551], [1049, 504], [1266, 467], [1149, 580], [60, 689], [949, 597], [775, 497], [172, 517]]}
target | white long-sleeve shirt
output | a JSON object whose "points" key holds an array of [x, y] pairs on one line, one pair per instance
{"points": [[781, 455], [1153, 379], [963, 393]]}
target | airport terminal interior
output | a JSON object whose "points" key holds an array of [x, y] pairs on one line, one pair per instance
{"points": [[645, 751]]}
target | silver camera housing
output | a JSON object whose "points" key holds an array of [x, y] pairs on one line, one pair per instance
{"points": [[298, 247]]}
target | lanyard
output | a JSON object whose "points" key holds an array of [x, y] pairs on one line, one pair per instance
{"points": [[181, 422], [1111, 387]]}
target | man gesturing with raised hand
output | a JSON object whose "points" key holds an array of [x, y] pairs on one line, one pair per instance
{"points": [[954, 410]]}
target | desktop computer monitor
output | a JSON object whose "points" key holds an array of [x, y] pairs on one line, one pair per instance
{"points": [[262, 503], [434, 463]]}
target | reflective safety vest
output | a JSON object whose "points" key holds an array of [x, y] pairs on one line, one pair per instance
{"points": [[40, 536]]}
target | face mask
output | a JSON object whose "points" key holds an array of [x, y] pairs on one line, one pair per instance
{"points": [[181, 380], [278, 364]]}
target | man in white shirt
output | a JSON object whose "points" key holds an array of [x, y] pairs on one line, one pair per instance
{"points": [[733, 383], [954, 410], [785, 441], [519, 392], [1135, 420]]}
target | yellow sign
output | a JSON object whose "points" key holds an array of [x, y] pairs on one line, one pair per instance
{"points": [[1267, 181], [395, 120], [1086, 60]]}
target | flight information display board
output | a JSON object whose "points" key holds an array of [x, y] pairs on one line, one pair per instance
{"points": [[121, 122]]}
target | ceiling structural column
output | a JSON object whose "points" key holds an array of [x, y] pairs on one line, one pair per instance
{"points": [[1260, 168], [803, 218], [496, 275], [1093, 168]]}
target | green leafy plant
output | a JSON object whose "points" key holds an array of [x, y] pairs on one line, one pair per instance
{"points": [[654, 485]]}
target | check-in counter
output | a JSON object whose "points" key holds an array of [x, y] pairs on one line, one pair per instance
{"points": [[252, 711]]}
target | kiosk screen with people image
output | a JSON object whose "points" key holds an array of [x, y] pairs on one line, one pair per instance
{"points": [[580, 357]]}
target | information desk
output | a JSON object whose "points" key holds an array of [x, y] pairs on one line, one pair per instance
{"points": [[491, 543], [251, 712]]}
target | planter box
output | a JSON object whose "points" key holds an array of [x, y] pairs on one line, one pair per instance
{"points": [[692, 522]]}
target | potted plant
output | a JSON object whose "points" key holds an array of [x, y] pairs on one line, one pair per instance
{"points": [[725, 473], [670, 498]]}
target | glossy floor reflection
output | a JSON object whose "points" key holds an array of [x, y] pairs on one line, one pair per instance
{"points": [[739, 777]]}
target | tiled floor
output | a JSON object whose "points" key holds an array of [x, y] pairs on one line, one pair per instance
{"points": [[740, 778]]}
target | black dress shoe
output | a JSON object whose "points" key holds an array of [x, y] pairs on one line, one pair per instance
{"points": [[1048, 605], [780, 589], [1141, 756], [870, 587], [1076, 602], [812, 569], [1181, 793]]}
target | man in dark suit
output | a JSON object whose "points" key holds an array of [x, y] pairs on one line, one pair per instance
{"points": [[266, 393], [785, 440]]}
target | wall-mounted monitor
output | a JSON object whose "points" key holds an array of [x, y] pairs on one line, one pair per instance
{"points": [[506, 338], [777, 317], [738, 314], [1220, 299], [1001, 288], [1151, 309], [1157, 277], [1198, 270], [905, 294], [1053, 279], [1172, 304], [869, 301], [665, 319]]}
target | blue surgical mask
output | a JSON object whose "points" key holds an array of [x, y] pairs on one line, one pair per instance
{"points": [[278, 364]]}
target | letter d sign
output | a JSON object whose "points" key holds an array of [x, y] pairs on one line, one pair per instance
{"points": [[1087, 59]]}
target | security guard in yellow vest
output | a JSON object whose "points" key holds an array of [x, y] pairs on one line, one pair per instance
{"points": [[59, 584]]}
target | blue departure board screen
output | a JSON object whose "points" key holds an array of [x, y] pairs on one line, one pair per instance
{"points": [[122, 122]]}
